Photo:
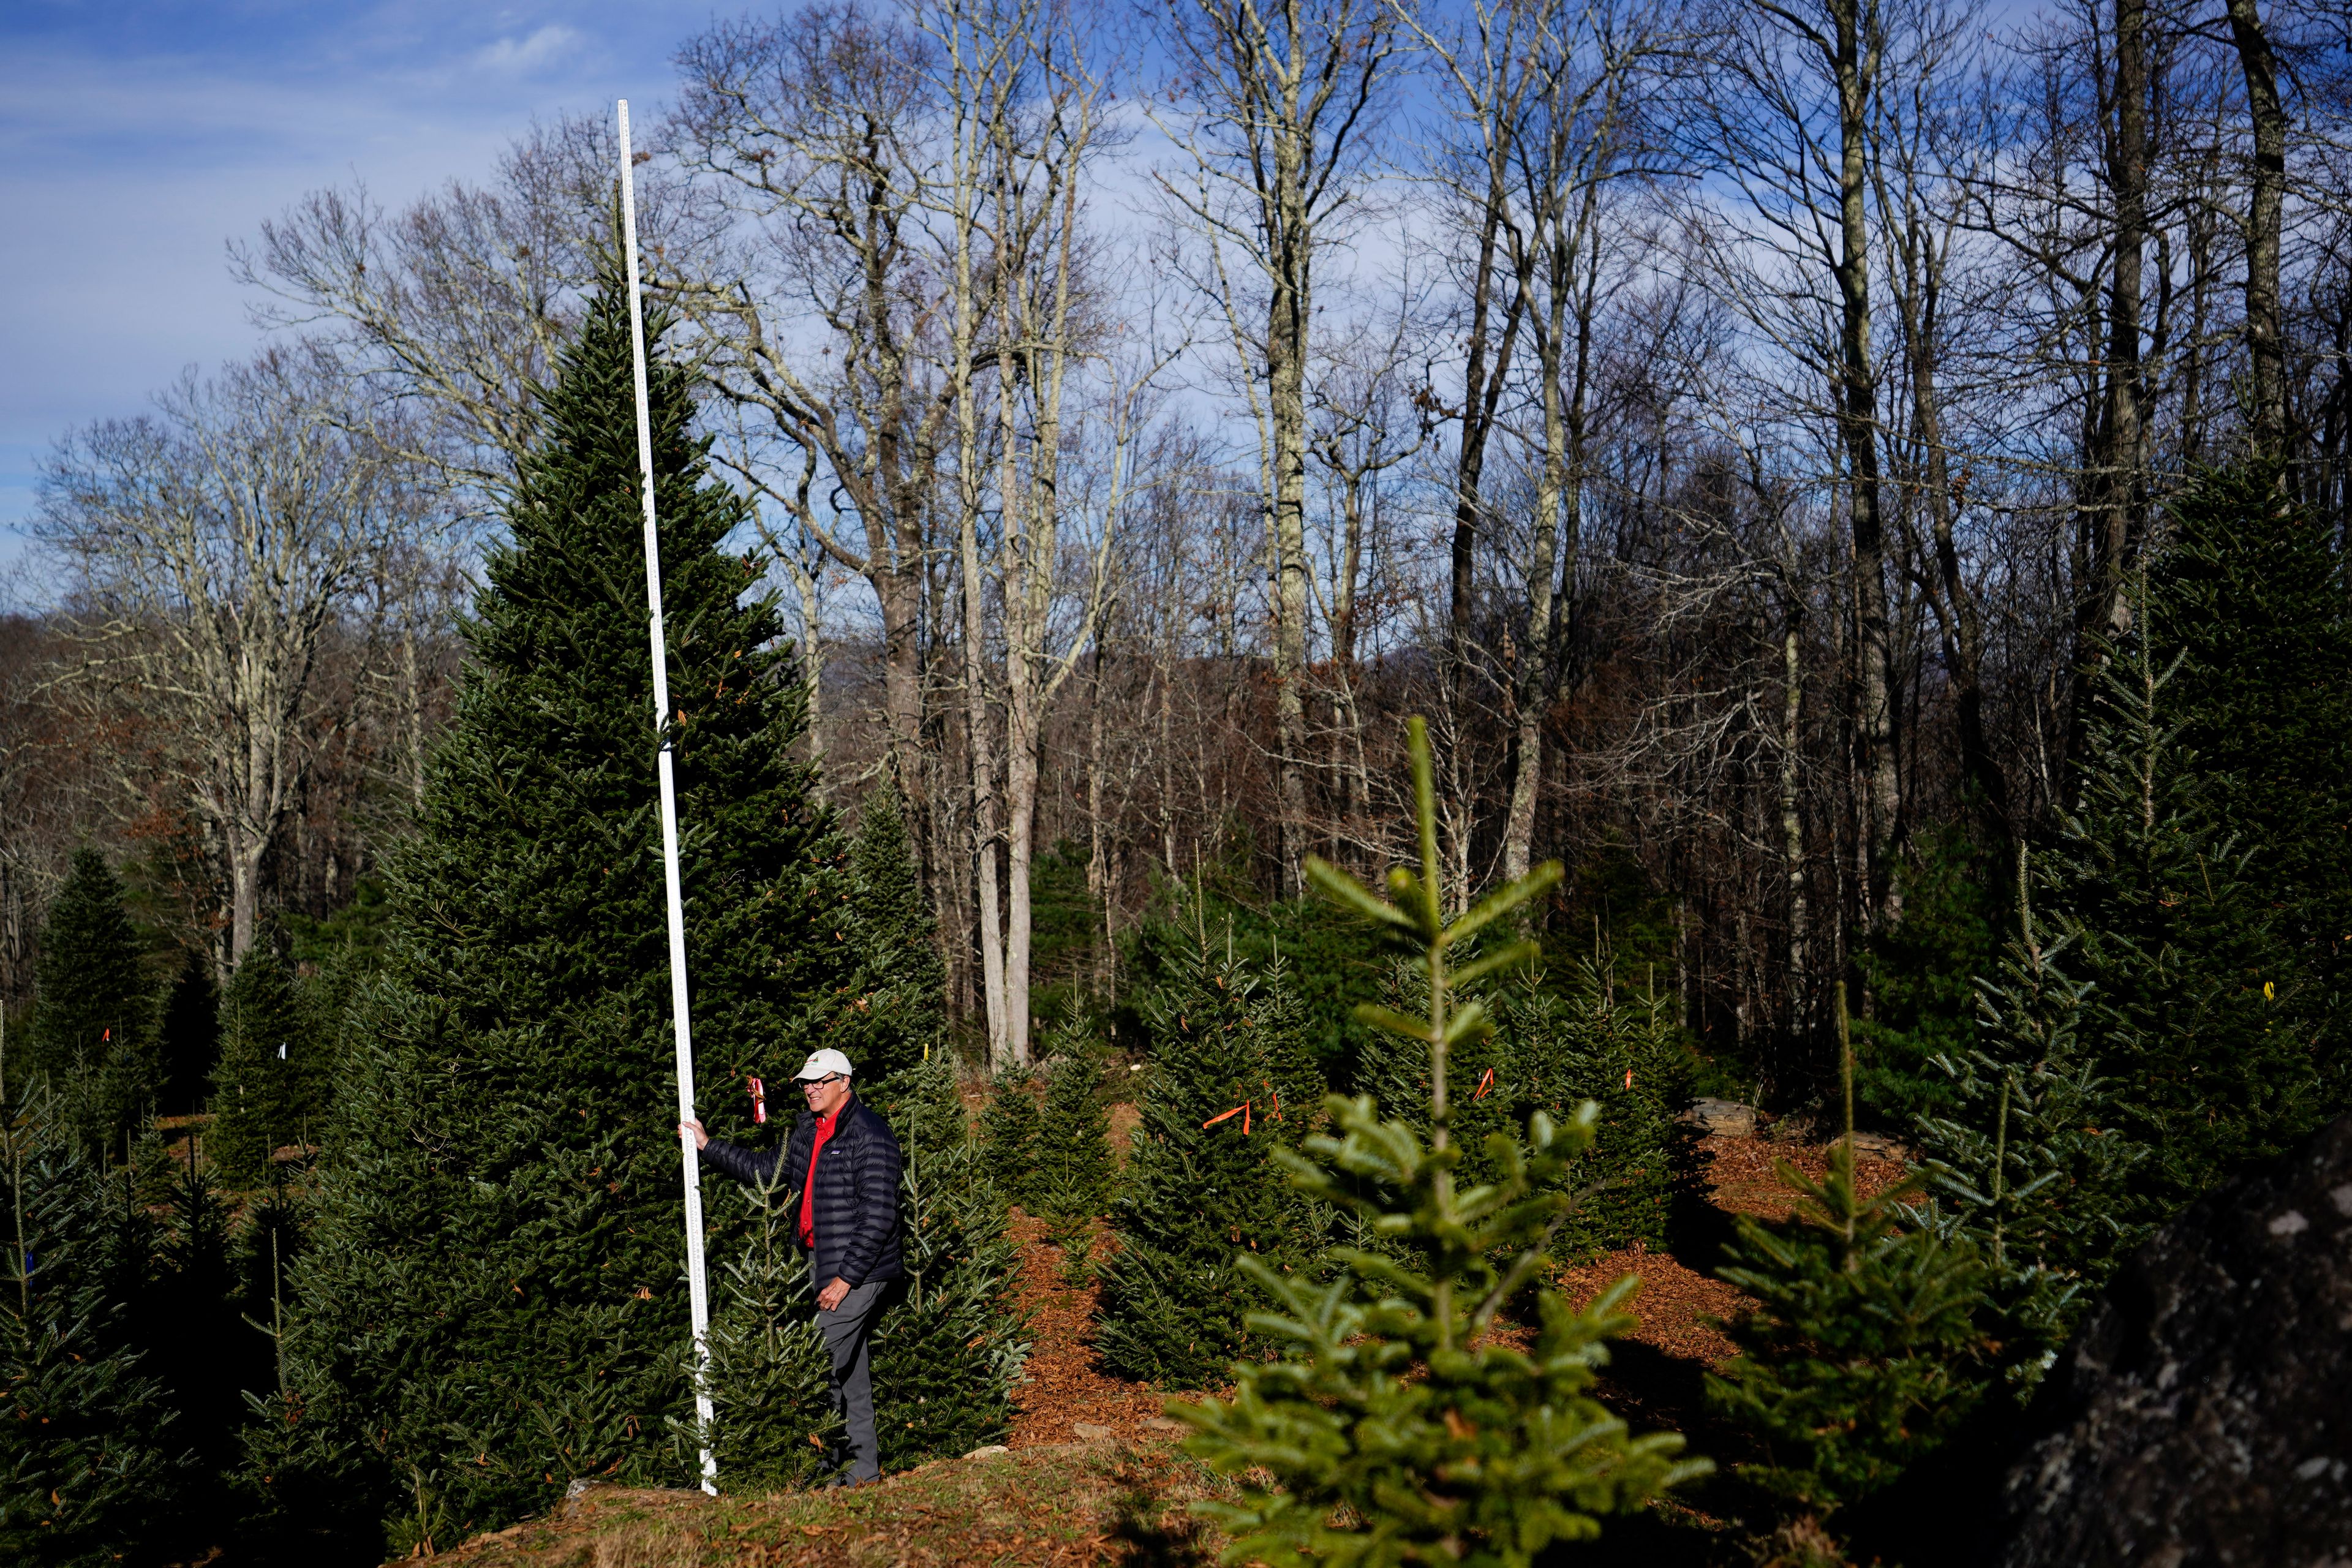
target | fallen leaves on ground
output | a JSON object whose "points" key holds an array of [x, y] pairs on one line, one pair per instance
{"points": [[1064, 1388], [1745, 1177]]}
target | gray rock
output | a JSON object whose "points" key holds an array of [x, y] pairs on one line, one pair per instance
{"points": [[2203, 1413], [1722, 1118], [1879, 1146]]}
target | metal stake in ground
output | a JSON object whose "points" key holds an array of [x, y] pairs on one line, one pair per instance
{"points": [[698, 1289]]}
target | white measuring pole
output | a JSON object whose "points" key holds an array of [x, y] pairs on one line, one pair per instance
{"points": [[698, 1287]]}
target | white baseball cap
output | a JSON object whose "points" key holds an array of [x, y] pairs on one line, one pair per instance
{"points": [[824, 1064]]}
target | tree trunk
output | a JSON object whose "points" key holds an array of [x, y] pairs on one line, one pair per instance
{"points": [[1793, 816], [2265, 336], [1856, 64], [2109, 523]]}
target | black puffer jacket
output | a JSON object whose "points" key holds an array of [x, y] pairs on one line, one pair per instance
{"points": [[856, 1207]]}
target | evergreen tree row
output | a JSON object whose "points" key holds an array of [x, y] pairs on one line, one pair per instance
{"points": [[2154, 997]]}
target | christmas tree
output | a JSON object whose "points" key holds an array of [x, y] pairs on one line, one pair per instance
{"points": [[203, 1353], [1490, 1084], [1008, 1136], [1200, 1185], [1285, 1027], [190, 1038], [1921, 977], [1864, 1349], [1391, 1429], [89, 1455], [1619, 1051], [2249, 596], [899, 1009], [1074, 1171], [2028, 1164], [948, 1351], [93, 1030], [259, 1100], [768, 1366], [493, 1301], [2196, 1009]]}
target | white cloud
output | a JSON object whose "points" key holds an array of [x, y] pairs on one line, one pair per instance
{"points": [[516, 57]]}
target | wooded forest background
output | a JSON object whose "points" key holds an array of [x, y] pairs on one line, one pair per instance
{"points": [[1736, 426]]}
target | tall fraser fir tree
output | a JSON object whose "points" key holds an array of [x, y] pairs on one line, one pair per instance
{"points": [[1202, 1188], [2250, 593], [2196, 1009], [92, 1467], [494, 1301], [93, 1009], [1391, 1429]]}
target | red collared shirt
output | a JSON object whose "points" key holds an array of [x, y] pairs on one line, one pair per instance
{"points": [[808, 1183]]}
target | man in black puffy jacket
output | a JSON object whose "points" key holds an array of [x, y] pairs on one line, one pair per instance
{"points": [[844, 1161]]}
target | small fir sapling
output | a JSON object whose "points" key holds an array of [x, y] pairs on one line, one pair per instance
{"points": [[190, 1040], [1618, 1049], [203, 1355], [1488, 1077], [1865, 1349], [895, 1016], [1391, 1429], [1074, 1170]]}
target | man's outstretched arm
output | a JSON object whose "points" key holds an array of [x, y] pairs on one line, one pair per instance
{"points": [[753, 1167]]}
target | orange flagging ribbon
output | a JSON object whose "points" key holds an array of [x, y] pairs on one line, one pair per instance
{"points": [[1629, 1078], [1484, 1084], [1242, 1110]]}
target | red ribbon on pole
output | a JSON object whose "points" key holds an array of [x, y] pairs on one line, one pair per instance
{"points": [[759, 1101]]}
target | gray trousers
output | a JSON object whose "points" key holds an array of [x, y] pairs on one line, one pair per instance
{"points": [[847, 1329]]}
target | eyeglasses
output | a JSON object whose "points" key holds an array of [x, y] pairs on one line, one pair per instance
{"points": [[808, 1084]]}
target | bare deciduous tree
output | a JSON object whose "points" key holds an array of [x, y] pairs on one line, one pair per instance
{"points": [[214, 549]]}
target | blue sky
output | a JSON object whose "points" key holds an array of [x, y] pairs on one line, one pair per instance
{"points": [[137, 139]]}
